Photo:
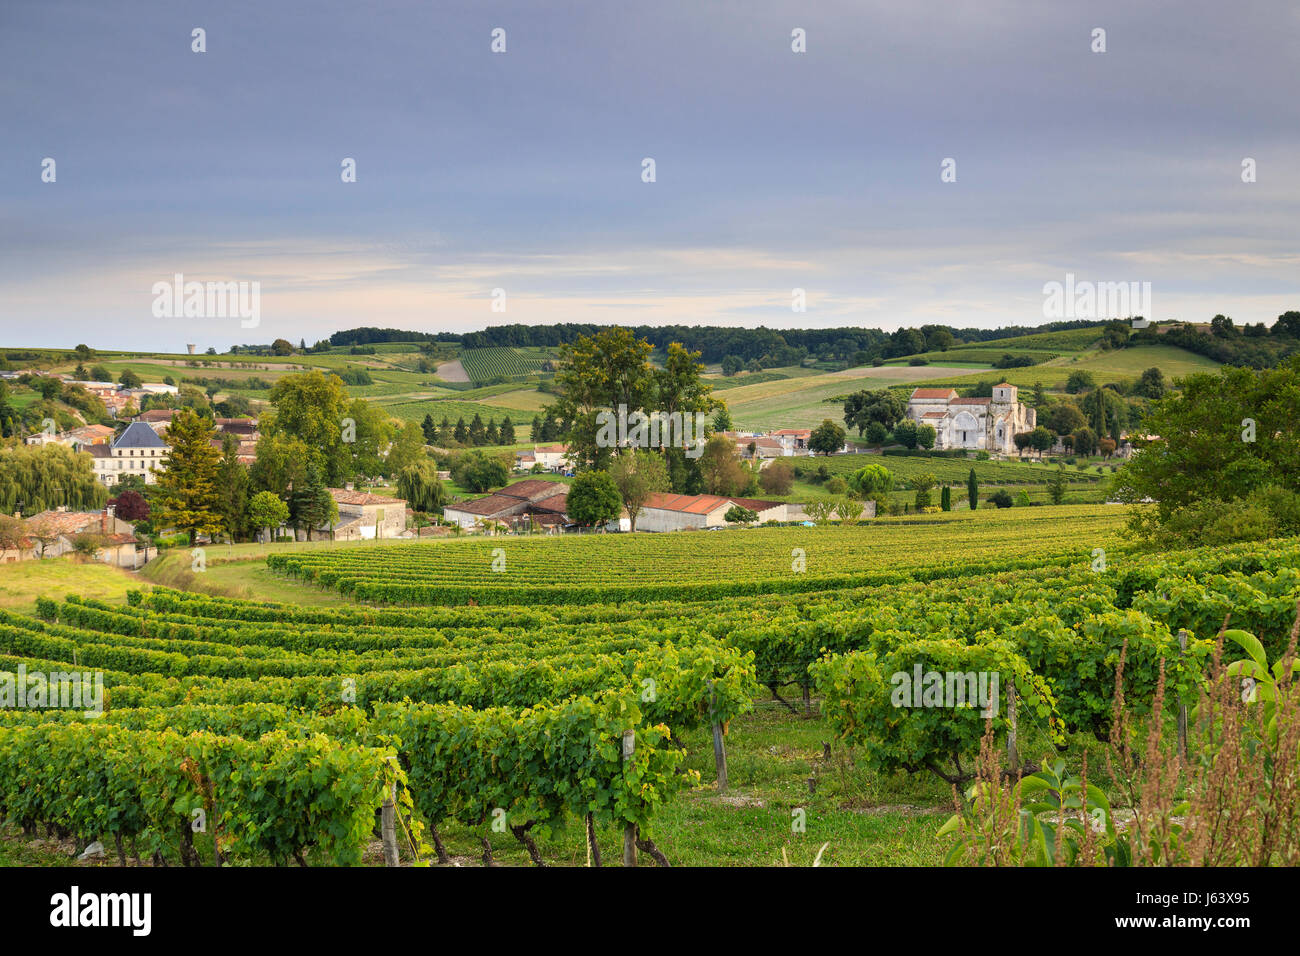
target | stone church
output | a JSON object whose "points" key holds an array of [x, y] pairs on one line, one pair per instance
{"points": [[987, 424]]}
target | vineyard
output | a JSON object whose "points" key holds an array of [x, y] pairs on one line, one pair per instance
{"points": [[486, 365], [288, 731], [606, 568]]}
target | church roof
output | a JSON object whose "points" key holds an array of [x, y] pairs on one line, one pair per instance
{"points": [[933, 392], [970, 401]]}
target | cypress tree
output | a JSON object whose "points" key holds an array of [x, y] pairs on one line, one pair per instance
{"points": [[972, 490]]}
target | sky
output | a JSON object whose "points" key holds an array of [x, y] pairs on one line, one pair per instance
{"points": [[523, 170]]}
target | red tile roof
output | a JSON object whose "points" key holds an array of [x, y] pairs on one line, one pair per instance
{"points": [[970, 401], [933, 392], [704, 504]]}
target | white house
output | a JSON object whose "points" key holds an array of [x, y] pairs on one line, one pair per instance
{"points": [[138, 450], [669, 512]]}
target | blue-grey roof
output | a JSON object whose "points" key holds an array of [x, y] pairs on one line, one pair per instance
{"points": [[139, 435]]}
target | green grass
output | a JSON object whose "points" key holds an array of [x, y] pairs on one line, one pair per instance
{"points": [[23, 582]]}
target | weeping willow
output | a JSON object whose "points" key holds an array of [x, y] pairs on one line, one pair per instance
{"points": [[35, 478]]}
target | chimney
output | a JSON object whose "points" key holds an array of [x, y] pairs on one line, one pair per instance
{"points": [[105, 524]]}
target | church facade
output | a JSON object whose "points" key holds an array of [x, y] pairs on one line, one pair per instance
{"points": [[987, 424]]}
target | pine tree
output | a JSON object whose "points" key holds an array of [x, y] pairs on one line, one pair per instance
{"points": [[507, 431], [477, 434], [430, 430], [461, 433], [549, 430], [444, 431], [189, 498], [311, 503], [535, 434], [492, 436], [233, 486], [972, 490], [945, 499]]}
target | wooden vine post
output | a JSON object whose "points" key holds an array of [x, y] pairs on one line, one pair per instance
{"points": [[629, 829], [719, 745], [1182, 706], [388, 825], [1013, 757]]}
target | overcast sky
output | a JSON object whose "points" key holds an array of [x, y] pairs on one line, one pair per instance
{"points": [[523, 170]]}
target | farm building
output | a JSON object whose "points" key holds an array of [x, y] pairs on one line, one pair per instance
{"points": [[507, 506], [668, 512], [54, 533], [363, 516]]}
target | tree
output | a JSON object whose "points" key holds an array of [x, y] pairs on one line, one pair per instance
{"points": [[492, 436], [777, 479], [311, 407], [430, 430], [820, 510], [281, 464], [876, 435], [1152, 384], [507, 434], [827, 438], [189, 497], [1223, 439], [266, 511], [477, 434], [282, 347], [731, 364], [972, 490], [600, 373], [1022, 441], [34, 478], [1079, 381], [1064, 418], [1085, 441], [460, 434], [479, 472], [128, 379], [1107, 447], [421, 487], [923, 484], [905, 433], [1040, 440], [232, 485], [722, 419], [738, 515], [1002, 498], [1056, 487], [945, 499], [311, 504], [925, 436], [638, 474], [13, 534], [872, 483], [406, 449], [99, 373], [879, 405], [593, 499], [720, 467]]}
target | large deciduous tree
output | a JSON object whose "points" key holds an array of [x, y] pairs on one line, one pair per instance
{"points": [[593, 499], [638, 474]]}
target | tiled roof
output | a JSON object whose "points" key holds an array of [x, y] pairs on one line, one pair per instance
{"points": [[704, 504], [486, 507], [156, 415], [970, 401], [935, 415], [139, 435], [933, 392], [553, 503], [345, 497], [533, 489]]}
